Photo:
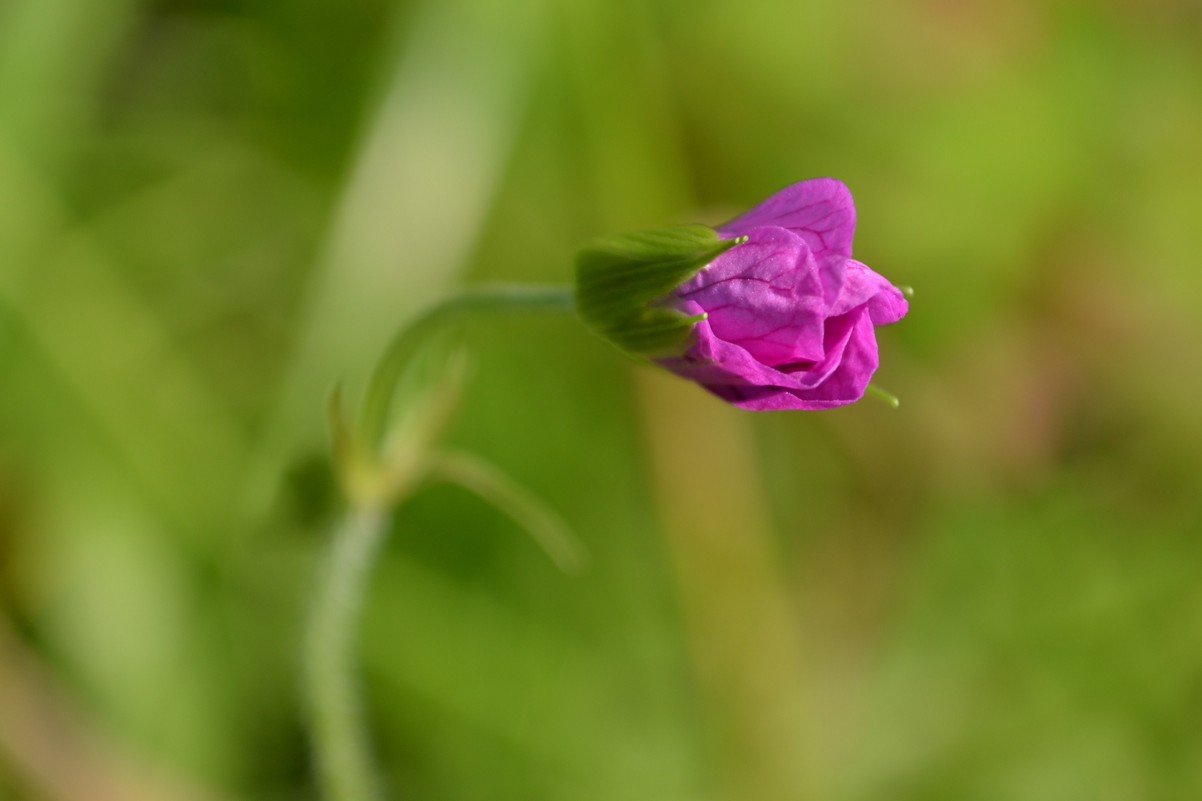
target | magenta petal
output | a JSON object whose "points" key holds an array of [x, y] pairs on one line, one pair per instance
{"points": [[837, 333], [765, 296], [860, 286], [820, 211], [888, 306], [733, 375], [849, 381], [711, 360]]}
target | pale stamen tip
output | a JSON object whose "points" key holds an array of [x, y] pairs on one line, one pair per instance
{"points": [[888, 397]]}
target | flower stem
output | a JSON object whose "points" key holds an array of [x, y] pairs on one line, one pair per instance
{"points": [[377, 401], [335, 716], [344, 762]]}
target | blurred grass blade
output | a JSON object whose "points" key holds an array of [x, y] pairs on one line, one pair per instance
{"points": [[423, 177]]}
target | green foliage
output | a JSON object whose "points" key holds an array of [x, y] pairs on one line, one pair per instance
{"points": [[213, 213]]}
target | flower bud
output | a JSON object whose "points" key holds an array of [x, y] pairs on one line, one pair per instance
{"points": [[768, 311]]}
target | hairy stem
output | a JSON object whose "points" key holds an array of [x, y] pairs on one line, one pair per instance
{"points": [[335, 715]]}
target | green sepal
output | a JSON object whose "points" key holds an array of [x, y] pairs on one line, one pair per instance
{"points": [[622, 280]]}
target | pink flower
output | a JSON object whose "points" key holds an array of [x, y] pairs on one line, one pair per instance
{"points": [[789, 317]]}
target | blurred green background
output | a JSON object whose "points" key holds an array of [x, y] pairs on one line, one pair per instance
{"points": [[210, 212]]}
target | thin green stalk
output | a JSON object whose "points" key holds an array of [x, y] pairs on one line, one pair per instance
{"points": [[525, 508], [345, 765], [335, 715], [377, 401]]}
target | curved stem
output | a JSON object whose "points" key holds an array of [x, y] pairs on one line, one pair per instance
{"points": [[335, 713], [490, 297], [548, 529], [335, 716]]}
